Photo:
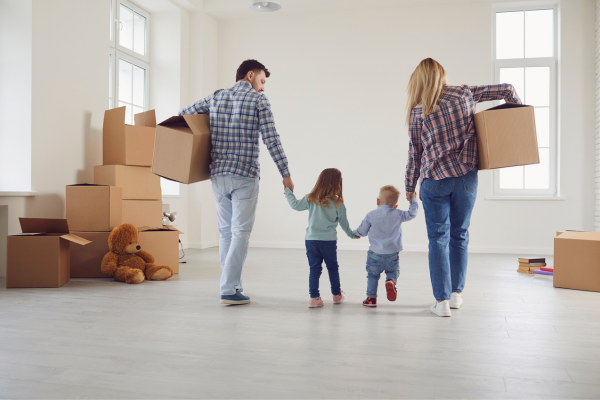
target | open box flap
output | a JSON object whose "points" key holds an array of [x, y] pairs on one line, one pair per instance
{"points": [[164, 228], [146, 118], [114, 120], [86, 184], [29, 234], [507, 106], [176, 120], [198, 123], [44, 225], [75, 239]]}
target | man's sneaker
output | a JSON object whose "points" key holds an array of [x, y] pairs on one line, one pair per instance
{"points": [[370, 302], [236, 298], [456, 300], [441, 309], [338, 299], [390, 287], [314, 303]]}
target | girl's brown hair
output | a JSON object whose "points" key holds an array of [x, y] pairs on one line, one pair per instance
{"points": [[425, 86], [328, 188]]}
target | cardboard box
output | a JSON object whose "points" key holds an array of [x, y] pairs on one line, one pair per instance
{"points": [[138, 183], [182, 148], [86, 261], [93, 208], [40, 256], [163, 243], [142, 212], [577, 261], [506, 136], [126, 144]]}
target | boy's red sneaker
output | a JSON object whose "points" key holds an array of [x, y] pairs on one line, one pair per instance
{"points": [[370, 302], [390, 287]]}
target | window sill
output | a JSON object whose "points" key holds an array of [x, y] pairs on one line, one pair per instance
{"points": [[18, 194], [525, 198]]}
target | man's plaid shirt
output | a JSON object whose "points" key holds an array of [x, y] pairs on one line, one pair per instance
{"points": [[237, 117], [444, 145]]}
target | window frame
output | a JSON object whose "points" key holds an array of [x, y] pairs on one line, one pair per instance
{"points": [[553, 64], [128, 4], [138, 63]]}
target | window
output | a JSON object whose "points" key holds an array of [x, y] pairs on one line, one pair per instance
{"points": [[525, 56], [129, 66]]}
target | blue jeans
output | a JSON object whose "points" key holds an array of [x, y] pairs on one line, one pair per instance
{"points": [[448, 204], [236, 198], [378, 263], [318, 251]]}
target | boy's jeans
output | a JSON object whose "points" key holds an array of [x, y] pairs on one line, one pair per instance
{"points": [[378, 263], [236, 198], [448, 204], [318, 251]]}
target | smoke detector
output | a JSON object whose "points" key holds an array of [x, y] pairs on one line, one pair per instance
{"points": [[264, 6]]}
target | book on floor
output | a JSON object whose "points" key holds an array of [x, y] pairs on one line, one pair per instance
{"points": [[529, 260], [540, 272], [532, 264], [524, 270], [548, 268]]}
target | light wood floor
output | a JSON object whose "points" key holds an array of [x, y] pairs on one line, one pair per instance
{"points": [[515, 337]]}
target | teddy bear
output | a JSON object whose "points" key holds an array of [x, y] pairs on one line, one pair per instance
{"points": [[126, 262]]}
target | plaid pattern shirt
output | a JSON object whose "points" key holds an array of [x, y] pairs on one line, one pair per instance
{"points": [[444, 145], [237, 117]]}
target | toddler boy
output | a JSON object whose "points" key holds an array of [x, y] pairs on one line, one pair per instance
{"points": [[384, 227]]}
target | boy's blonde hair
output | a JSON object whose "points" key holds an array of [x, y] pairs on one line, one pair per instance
{"points": [[389, 195]]}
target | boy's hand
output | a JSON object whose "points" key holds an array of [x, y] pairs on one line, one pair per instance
{"points": [[410, 196]]}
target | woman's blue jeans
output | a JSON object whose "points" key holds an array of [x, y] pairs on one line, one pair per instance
{"points": [[448, 204], [318, 251]]}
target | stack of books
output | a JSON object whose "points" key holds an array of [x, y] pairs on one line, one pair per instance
{"points": [[544, 272], [529, 264]]}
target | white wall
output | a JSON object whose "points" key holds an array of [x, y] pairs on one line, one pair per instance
{"points": [[15, 95], [338, 94]]}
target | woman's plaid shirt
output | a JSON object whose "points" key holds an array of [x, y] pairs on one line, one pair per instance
{"points": [[238, 116], [444, 145]]}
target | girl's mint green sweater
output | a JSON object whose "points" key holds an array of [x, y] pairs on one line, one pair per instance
{"points": [[322, 221]]}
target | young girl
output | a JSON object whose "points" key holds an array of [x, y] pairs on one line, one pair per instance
{"points": [[325, 205]]}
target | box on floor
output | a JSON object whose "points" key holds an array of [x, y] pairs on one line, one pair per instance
{"points": [[40, 256], [163, 243], [138, 183], [577, 260], [182, 148], [86, 261], [506, 136], [128, 144], [93, 208]]}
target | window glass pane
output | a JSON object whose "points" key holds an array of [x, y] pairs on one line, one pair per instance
{"points": [[169, 187], [128, 113], [514, 76], [509, 34], [110, 76], [126, 27], [138, 85], [537, 86], [537, 176], [139, 34], [542, 126], [511, 178], [125, 80], [539, 33], [137, 110]]}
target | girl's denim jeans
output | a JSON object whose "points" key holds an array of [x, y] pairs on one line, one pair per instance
{"points": [[318, 251], [448, 204]]}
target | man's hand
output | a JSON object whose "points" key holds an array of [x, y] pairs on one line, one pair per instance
{"points": [[287, 182], [409, 196]]}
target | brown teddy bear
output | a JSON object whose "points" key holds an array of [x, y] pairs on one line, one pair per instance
{"points": [[126, 262]]}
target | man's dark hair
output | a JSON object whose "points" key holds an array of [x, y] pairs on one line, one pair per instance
{"points": [[250, 65]]}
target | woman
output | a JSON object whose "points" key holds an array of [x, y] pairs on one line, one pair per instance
{"points": [[443, 152]]}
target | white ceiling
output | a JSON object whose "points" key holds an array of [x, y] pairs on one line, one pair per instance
{"points": [[235, 9]]}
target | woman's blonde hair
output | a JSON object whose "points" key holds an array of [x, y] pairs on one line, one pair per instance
{"points": [[328, 187], [425, 86]]}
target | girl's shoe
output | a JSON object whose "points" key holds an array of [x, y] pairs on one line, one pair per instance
{"points": [[441, 309], [313, 303], [390, 287], [338, 299], [370, 302]]}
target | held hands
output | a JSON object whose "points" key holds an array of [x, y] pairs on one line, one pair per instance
{"points": [[287, 182], [410, 196]]}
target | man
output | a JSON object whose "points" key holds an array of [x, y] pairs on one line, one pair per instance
{"points": [[237, 117]]}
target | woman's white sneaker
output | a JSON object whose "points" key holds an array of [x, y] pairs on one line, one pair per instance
{"points": [[441, 309], [456, 300]]}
